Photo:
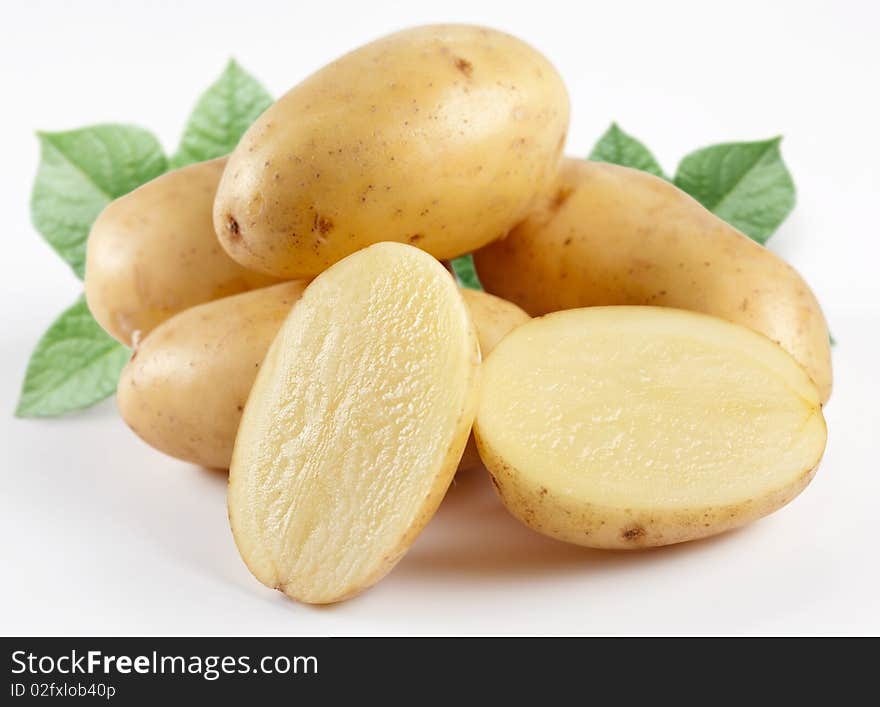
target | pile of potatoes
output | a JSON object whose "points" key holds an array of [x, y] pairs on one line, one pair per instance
{"points": [[292, 320]]}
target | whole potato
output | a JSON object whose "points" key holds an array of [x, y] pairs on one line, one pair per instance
{"points": [[153, 253], [438, 136], [184, 388], [494, 318], [186, 384], [612, 235]]}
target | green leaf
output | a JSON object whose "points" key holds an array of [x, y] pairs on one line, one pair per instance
{"points": [[81, 171], [617, 147], [466, 272], [221, 116], [745, 183], [74, 365]]}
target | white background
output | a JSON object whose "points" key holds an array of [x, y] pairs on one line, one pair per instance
{"points": [[102, 535]]}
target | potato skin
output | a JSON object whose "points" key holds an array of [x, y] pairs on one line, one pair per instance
{"points": [[438, 136], [612, 235], [570, 520], [153, 253], [185, 387], [494, 318]]}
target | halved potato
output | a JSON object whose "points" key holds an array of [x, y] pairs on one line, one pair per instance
{"points": [[629, 427], [355, 424]]}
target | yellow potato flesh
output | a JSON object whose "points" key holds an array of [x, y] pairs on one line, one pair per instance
{"points": [[609, 235], [355, 425], [628, 427]]}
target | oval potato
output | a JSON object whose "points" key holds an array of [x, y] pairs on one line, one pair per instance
{"points": [[438, 136], [632, 427], [185, 387], [184, 390], [153, 253], [611, 235]]}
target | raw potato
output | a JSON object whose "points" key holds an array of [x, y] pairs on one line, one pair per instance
{"points": [[186, 385], [439, 136], [355, 425], [612, 235], [494, 318], [184, 391], [631, 427], [153, 253]]}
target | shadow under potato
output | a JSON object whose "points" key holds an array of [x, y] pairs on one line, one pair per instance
{"points": [[473, 533]]}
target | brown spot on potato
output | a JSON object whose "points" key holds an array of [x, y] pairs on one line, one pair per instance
{"points": [[633, 534], [322, 224], [464, 66], [232, 226], [415, 237]]}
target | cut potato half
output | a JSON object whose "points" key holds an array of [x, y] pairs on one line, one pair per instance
{"points": [[630, 427], [355, 424]]}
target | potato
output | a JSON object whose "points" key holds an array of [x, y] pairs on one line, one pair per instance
{"points": [[186, 385], [355, 425], [493, 318], [153, 253], [439, 136], [612, 235], [631, 427], [184, 390]]}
